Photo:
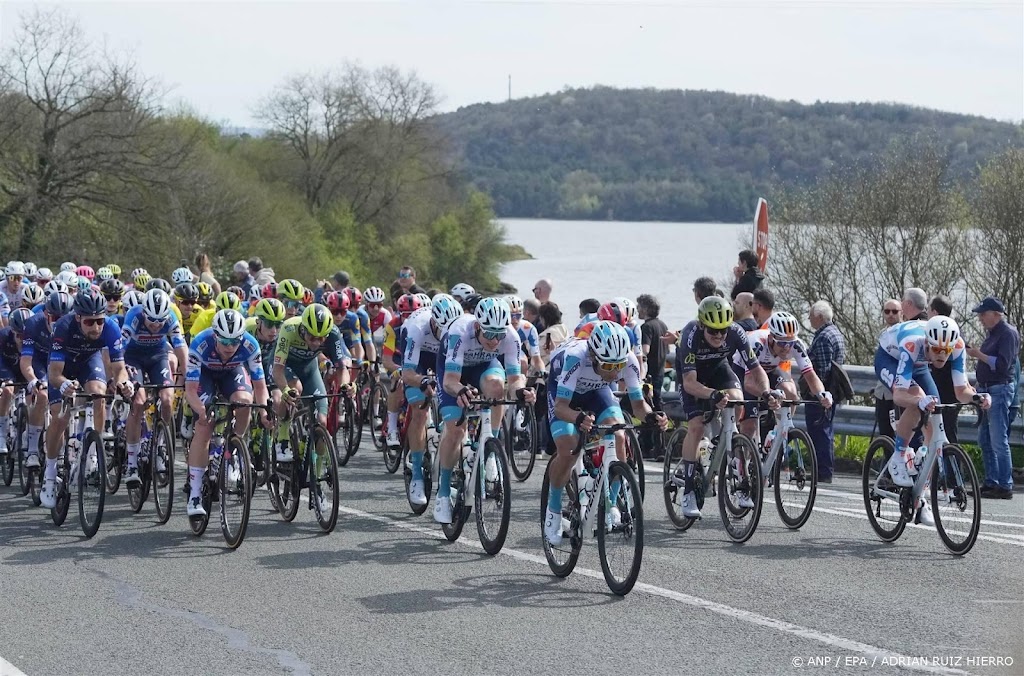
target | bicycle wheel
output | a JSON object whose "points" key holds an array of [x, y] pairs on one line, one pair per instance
{"points": [[198, 524], [493, 498], [259, 445], [21, 424], [8, 459], [379, 416], [740, 489], [956, 500], [324, 481], [353, 431], [460, 512], [162, 465], [797, 485], [285, 485], [60, 510], [137, 496], [523, 439], [428, 479], [116, 453], [393, 456], [884, 513], [362, 405], [234, 481], [672, 479], [91, 483], [635, 459], [562, 558], [620, 538]]}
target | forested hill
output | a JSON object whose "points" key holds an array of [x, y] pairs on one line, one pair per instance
{"points": [[643, 154]]}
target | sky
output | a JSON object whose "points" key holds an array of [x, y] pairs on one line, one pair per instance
{"points": [[222, 58]]}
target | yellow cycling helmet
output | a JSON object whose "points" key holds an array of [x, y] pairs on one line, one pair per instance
{"points": [[227, 301], [291, 289], [115, 269], [715, 313], [317, 320], [205, 292], [270, 309], [142, 280]]}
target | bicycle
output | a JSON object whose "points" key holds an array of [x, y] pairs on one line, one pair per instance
{"points": [[378, 414], [15, 429], [603, 474], [347, 426], [314, 465], [156, 458], [728, 464], [30, 479], [488, 488], [430, 453], [228, 478], [953, 482], [393, 458], [117, 450], [521, 434], [634, 453], [82, 460], [791, 448]]}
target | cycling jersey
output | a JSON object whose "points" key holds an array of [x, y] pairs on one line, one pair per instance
{"points": [[696, 354], [588, 318], [187, 322], [138, 338], [421, 345], [202, 355], [910, 345], [365, 332], [35, 343], [572, 372], [350, 329], [464, 350], [759, 343], [378, 321], [71, 345], [292, 350], [10, 354], [203, 321], [529, 337]]}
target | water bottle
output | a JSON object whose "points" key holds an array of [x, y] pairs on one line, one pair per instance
{"points": [[769, 439], [704, 451], [469, 457], [919, 457], [585, 483], [216, 452]]}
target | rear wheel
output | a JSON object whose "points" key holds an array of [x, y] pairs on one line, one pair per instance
{"points": [[795, 478], [116, 452], [21, 425], [161, 462], [635, 459], [428, 479], [562, 558], [353, 431], [393, 456], [493, 498], [740, 489], [8, 460], [60, 511], [672, 479], [522, 440], [884, 512], [198, 524], [91, 483], [620, 529], [956, 500], [285, 484], [458, 499], [324, 483], [379, 416], [235, 491]]}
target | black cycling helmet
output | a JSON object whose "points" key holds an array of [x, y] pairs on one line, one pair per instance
{"points": [[90, 302], [112, 288]]}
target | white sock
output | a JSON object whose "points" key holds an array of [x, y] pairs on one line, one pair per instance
{"points": [[392, 422], [33, 438], [4, 421], [133, 455], [195, 481], [50, 474]]}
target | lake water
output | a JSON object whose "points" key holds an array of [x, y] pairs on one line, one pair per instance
{"points": [[603, 259]]}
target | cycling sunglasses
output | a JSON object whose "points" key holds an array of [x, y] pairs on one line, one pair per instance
{"points": [[716, 332], [229, 342], [610, 368], [938, 349], [785, 344], [94, 321], [269, 324], [493, 335]]}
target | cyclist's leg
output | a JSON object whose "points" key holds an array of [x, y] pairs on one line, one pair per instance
{"points": [[135, 363], [241, 393], [312, 382], [199, 450], [492, 386], [416, 434]]}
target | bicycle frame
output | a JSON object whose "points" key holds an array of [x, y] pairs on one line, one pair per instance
{"points": [[783, 424], [937, 428], [607, 442]]}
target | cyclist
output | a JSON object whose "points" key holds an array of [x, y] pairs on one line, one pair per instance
{"points": [[296, 363], [10, 372], [205, 300], [394, 346], [422, 340], [579, 387], [186, 298], [147, 331], [463, 293], [527, 335], [221, 359], [469, 361], [774, 346], [707, 345], [291, 293], [265, 326], [112, 290], [365, 335], [379, 315], [76, 361]]}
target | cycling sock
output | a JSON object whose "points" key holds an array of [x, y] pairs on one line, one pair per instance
{"points": [[4, 421], [555, 499], [444, 484], [900, 444], [51, 469], [133, 454], [613, 492], [416, 458], [392, 421], [33, 438], [688, 468], [195, 481]]}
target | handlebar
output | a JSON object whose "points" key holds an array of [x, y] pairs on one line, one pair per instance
{"points": [[599, 430], [483, 402]]}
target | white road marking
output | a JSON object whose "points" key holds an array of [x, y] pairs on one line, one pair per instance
{"points": [[8, 669], [831, 640]]}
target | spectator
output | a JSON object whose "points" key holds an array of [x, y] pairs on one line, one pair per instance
{"points": [[589, 306], [206, 272], [763, 306], [885, 412], [702, 288], [531, 313], [943, 377], [242, 277], [260, 274], [995, 372], [542, 291], [554, 333], [654, 350], [406, 283], [826, 347], [748, 277], [340, 280], [914, 304], [743, 311]]}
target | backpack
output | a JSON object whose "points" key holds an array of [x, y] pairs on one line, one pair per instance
{"points": [[836, 381]]}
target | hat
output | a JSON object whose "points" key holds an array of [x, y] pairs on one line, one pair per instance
{"points": [[990, 303], [241, 266]]}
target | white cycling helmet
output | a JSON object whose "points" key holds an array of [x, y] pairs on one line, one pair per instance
{"points": [[425, 300], [229, 324], [609, 342], [136, 272], [54, 285], [255, 293], [374, 294], [941, 331], [68, 266], [628, 308], [156, 305], [31, 295], [515, 304], [783, 326], [445, 310], [31, 270], [131, 298], [462, 292], [44, 275], [16, 268], [493, 314], [181, 276], [67, 277], [104, 273]]}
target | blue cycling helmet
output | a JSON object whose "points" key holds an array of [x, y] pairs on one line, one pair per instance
{"points": [[18, 318], [90, 302], [609, 342], [444, 309], [59, 304]]}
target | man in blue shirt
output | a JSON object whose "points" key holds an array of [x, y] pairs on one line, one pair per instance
{"points": [[995, 374]]}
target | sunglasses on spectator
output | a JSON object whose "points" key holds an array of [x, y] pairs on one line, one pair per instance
{"points": [[891, 312], [610, 368], [93, 321], [229, 342], [716, 332], [404, 275], [493, 335]]}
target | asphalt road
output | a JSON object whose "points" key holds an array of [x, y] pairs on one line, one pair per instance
{"points": [[385, 594]]}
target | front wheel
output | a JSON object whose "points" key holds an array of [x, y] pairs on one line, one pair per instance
{"points": [[91, 483], [740, 489], [884, 512], [672, 476], [460, 512], [493, 497], [620, 529], [428, 478], [324, 482], [378, 414], [956, 501], [795, 477], [522, 440], [161, 462], [116, 453], [562, 558], [234, 482]]}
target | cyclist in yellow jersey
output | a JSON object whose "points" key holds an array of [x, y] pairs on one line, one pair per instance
{"points": [[205, 300], [185, 297], [226, 300]]}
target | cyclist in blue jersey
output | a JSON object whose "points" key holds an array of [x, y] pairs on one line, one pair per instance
{"points": [[221, 360], [147, 331], [904, 354], [76, 362], [355, 298], [10, 371], [580, 376]]}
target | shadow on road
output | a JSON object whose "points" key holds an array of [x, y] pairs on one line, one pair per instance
{"points": [[395, 551]]}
